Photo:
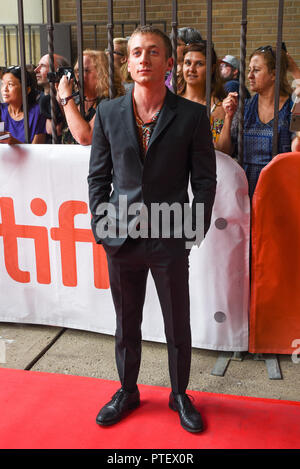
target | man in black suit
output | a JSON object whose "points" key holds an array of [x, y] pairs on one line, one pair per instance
{"points": [[147, 145]]}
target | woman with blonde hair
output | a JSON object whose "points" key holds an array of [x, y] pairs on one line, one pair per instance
{"points": [[121, 59], [80, 128]]}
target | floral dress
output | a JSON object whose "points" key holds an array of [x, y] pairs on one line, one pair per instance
{"points": [[216, 124]]}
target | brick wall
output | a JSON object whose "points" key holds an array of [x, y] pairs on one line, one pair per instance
{"points": [[261, 29]]}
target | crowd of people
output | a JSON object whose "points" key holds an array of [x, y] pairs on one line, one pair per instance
{"points": [[75, 127]]}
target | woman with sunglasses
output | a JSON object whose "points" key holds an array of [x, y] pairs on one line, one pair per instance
{"points": [[79, 129], [11, 110], [121, 61], [192, 85], [259, 114]]}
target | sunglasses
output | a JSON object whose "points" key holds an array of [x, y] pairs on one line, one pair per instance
{"points": [[270, 49], [265, 49], [13, 67], [116, 52]]}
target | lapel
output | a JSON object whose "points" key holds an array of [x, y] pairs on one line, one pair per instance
{"points": [[168, 112], [128, 120]]}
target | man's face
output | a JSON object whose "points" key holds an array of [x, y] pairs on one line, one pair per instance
{"points": [[227, 71], [41, 70], [147, 60]]}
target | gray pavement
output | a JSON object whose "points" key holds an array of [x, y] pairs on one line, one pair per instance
{"points": [[82, 353]]}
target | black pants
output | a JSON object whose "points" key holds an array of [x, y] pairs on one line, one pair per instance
{"points": [[128, 271]]}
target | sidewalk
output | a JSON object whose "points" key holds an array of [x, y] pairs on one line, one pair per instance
{"points": [[76, 352]]}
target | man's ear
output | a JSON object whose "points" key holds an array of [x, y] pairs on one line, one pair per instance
{"points": [[170, 63]]}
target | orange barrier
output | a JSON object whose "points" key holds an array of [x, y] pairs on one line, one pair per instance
{"points": [[275, 285]]}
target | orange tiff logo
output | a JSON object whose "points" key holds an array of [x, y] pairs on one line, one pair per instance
{"points": [[66, 234]]}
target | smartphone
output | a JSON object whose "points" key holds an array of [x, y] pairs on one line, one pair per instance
{"points": [[4, 136]]}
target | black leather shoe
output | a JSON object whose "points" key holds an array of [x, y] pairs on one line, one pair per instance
{"points": [[121, 403], [190, 418]]}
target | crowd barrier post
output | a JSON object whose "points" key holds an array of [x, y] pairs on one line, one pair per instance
{"points": [[23, 69], [4, 45], [110, 37], [242, 88], [143, 20], [50, 30], [80, 54], [277, 76], [208, 56], [174, 26]]}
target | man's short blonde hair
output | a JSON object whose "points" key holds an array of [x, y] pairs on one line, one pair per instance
{"points": [[155, 31]]}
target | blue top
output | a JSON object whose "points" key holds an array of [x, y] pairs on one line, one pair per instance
{"points": [[258, 138], [37, 123]]}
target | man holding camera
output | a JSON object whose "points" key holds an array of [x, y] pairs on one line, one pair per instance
{"points": [[43, 82]]}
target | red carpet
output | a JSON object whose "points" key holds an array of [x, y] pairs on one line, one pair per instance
{"points": [[52, 411]]}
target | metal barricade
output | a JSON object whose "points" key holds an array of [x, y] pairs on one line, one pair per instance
{"points": [[20, 38]]}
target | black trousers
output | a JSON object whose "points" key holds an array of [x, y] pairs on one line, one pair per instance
{"points": [[128, 271]]}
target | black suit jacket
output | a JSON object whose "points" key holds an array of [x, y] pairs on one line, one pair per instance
{"points": [[180, 150]]}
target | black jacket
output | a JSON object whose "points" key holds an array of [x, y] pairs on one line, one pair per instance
{"points": [[180, 150]]}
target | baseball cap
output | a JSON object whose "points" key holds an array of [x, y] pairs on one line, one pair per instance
{"points": [[231, 60]]}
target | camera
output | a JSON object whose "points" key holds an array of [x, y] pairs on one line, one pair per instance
{"points": [[54, 77]]}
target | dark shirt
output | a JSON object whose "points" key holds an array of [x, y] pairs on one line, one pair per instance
{"points": [[45, 107], [44, 101], [232, 86]]}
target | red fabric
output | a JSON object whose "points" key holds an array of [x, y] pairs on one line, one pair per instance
{"points": [[275, 279], [54, 411]]}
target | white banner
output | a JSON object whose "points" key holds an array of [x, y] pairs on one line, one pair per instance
{"points": [[53, 273]]}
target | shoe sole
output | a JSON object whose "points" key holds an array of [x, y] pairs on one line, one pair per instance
{"points": [[188, 429], [118, 419]]}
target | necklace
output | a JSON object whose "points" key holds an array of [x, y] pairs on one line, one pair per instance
{"points": [[90, 100]]}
